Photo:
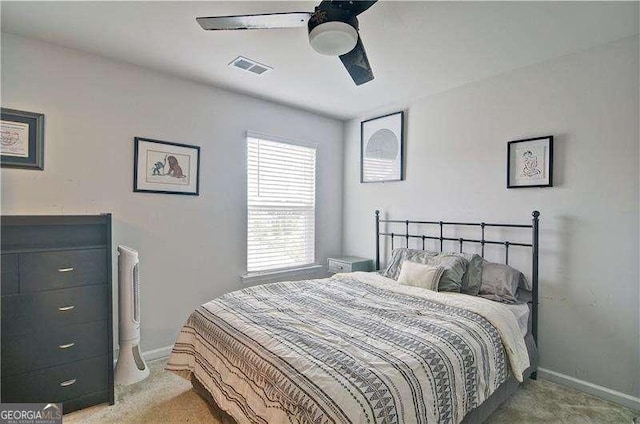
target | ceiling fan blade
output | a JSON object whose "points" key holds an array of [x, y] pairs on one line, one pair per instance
{"points": [[265, 21], [356, 7], [357, 64]]}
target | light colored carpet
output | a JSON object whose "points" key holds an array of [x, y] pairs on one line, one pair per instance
{"points": [[167, 398]]}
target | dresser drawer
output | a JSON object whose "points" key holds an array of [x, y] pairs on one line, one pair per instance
{"points": [[52, 309], [349, 264], [9, 279], [338, 266], [62, 269], [21, 354], [57, 384]]}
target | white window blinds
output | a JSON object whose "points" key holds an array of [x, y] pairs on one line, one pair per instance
{"points": [[281, 197]]}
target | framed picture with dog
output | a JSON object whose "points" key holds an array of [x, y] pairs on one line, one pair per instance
{"points": [[164, 167]]}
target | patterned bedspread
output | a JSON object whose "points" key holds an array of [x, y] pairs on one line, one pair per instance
{"points": [[355, 348]]}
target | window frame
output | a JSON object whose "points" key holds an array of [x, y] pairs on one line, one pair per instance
{"points": [[264, 275]]}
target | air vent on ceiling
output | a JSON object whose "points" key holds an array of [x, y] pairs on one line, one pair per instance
{"points": [[250, 65]]}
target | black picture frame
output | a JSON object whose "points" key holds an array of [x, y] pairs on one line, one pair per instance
{"points": [[401, 173], [547, 143], [136, 155], [35, 144]]}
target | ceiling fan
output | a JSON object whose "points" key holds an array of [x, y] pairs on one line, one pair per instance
{"points": [[332, 27]]}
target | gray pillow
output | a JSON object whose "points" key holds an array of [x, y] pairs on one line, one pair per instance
{"points": [[454, 266], [500, 282], [400, 255], [472, 279]]}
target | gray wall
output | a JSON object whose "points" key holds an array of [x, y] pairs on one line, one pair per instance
{"points": [[455, 164], [192, 248]]}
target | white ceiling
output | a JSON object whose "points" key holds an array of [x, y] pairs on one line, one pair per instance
{"points": [[415, 48]]}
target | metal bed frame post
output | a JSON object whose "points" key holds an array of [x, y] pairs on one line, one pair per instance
{"points": [[534, 282]]}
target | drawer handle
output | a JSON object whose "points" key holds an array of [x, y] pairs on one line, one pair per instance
{"points": [[66, 346], [66, 308], [340, 267], [65, 269], [68, 383]]}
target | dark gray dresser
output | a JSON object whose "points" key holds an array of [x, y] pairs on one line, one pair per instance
{"points": [[57, 332]]}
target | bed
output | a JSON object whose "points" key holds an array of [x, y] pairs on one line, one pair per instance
{"points": [[360, 348]]}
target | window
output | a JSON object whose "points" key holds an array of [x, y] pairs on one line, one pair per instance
{"points": [[281, 197]]}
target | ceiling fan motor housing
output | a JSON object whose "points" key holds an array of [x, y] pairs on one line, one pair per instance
{"points": [[333, 32]]}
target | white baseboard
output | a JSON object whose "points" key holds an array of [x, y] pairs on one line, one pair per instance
{"points": [[593, 389], [156, 354]]}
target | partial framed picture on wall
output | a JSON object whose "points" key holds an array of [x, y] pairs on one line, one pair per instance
{"points": [[22, 139], [164, 167], [381, 148], [530, 162]]}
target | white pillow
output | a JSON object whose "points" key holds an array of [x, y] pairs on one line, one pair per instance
{"points": [[420, 275]]}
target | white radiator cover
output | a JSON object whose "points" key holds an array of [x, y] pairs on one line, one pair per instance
{"points": [[130, 367]]}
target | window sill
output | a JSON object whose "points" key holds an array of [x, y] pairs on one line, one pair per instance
{"points": [[313, 271]]}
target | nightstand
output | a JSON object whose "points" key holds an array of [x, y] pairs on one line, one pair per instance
{"points": [[349, 264]]}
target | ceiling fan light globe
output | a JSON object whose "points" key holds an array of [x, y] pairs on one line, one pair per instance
{"points": [[333, 38]]}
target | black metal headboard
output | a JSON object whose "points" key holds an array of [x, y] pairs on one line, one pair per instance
{"points": [[482, 241]]}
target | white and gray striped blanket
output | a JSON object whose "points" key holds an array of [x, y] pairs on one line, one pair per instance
{"points": [[355, 348]]}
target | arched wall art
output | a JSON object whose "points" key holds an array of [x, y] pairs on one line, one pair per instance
{"points": [[382, 147]]}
